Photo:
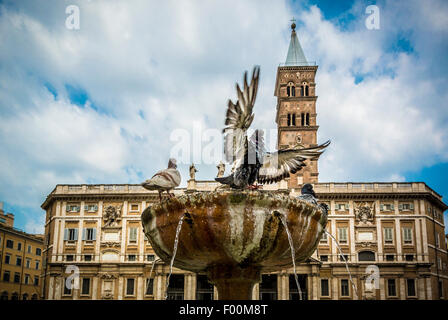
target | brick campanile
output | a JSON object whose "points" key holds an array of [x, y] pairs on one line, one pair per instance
{"points": [[296, 108]]}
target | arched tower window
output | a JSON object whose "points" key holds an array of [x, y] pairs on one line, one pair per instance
{"points": [[290, 90], [289, 119], [293, 119], [302, 118], [307, 120], [304, 89]]}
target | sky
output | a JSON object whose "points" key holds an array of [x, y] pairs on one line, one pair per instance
{"points": [[101, 103]]}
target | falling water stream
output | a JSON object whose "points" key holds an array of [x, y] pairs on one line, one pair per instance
{"points": [[293, 254], [176, 240], [343, 257]]}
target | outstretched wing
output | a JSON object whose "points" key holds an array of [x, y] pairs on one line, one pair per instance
{"points": [[278, 165], [239, 117]]}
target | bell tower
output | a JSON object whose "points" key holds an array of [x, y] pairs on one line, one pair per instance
{"points": [[296, 107]]}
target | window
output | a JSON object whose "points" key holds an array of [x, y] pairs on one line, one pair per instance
{"points": [[440, 289], [366, 256], [130, 287], [409, 257], [386, 207], [36, 280], [290, 90], [133, 235], [34, 296], [85, 289], [29, 249], [91, 208], [344, 257], [16, 277], [4, 295], [69, 257], [73, 208], [18, 261], [410, 283], [324, 238], [9, 244], [15, 296], [134, 207], [289, 120], [150, 257], [7, 259], [344, 288], [406, 207], [388, 235], [6, 276], [437, 240], [89, 234], [391, 289], [407, 235], [28, 263], [149, 287], [390, 257], [70, 234], [25, 296], [37, 265], [68, 288], [324, 258], [302, 119], [342, 206], [27, 279], [38, 251], [342, 235], [19, 246], [268, 287], [307, 119], [131, 257], [324, 288], [87, 257]]}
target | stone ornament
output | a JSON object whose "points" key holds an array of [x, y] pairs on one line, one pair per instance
{"points": [[364, 212], [111, 216]]}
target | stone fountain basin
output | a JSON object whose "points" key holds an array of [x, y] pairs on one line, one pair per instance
{"points": [[233, 229]]}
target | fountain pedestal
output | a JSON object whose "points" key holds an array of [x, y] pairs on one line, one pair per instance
{"points": [[234, 236]]}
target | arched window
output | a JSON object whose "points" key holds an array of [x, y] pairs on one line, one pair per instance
{"points": [[34, 296], [4, 295], [289, 119], [366, 256], [293, 119], [290, 90], [307, 120], [25, 296], [15, 296], [304, 89], [302, 118]]}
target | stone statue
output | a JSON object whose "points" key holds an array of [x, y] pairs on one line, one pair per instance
{"points": [[221, 168], [193, 171], [111, 215]]}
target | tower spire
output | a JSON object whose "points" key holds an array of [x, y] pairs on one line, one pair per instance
{"points": [[295, 56]]}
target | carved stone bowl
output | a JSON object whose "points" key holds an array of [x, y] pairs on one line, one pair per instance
{"points": [[233, 236]]}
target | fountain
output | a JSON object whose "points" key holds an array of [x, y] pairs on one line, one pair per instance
{"points": [[233, 236]]}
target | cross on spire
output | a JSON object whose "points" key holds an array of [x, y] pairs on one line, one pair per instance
{"points": [[293, 25]]}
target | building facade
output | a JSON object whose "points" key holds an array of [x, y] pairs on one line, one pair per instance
{"points": [[392, 235], [20, 261]]}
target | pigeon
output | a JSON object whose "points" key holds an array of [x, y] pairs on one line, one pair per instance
{"points": [[308, 195], [164, 180], [250, 161]]}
